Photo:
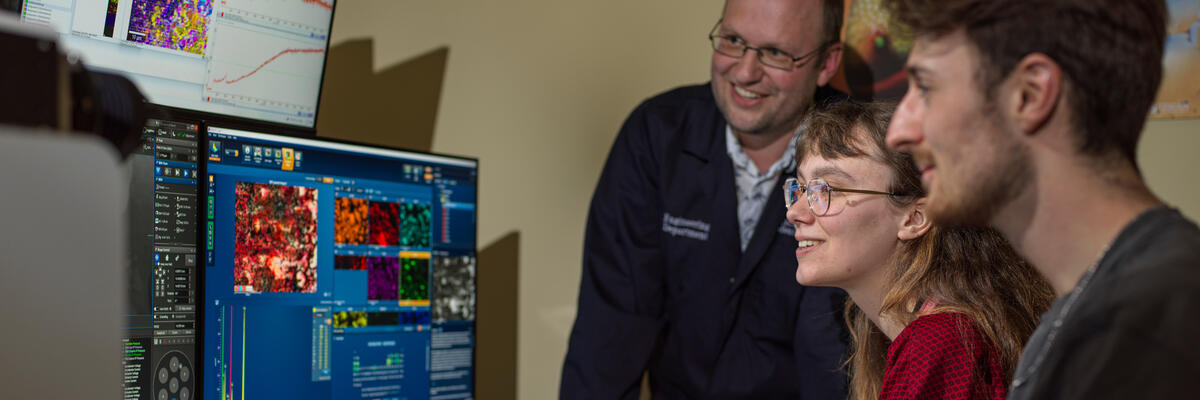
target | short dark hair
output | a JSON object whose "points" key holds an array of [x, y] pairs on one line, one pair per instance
{"points": [[1110, 52], [833, 15], [833, 12]]}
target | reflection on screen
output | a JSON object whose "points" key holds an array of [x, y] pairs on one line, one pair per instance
{"points": [[258, 59], [336, 271]]}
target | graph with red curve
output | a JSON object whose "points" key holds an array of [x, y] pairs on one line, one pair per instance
{"points": [[225, 80], [268, 56], [319, 3], [265, 69]]}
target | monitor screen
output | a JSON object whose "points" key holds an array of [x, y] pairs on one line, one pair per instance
{"points": [[255, 59], [159, 345], [336, 271]]}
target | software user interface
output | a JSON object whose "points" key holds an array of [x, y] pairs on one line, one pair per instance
{"points": [[336, 271], [160, 335], [258, 59]]}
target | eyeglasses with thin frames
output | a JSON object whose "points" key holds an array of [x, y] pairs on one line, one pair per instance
{"points": [[734, 46], [819, 194]]}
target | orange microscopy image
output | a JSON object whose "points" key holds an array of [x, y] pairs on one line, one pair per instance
{"points": [[350, 221]]}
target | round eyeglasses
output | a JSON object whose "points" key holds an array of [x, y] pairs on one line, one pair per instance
{"points": [[736, 47], [819, 194]]}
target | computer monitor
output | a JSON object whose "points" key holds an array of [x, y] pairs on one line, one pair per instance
{"points": [[159, 344], [336, 270], [255, 59]]}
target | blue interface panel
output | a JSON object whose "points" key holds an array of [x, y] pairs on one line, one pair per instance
{"points": [[336, 271]]}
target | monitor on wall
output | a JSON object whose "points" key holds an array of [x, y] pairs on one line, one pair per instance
{"points": [[261, 60], [335, 270]]}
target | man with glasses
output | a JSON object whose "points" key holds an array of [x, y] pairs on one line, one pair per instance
{"points": [[688, 267], [1037, 137]]}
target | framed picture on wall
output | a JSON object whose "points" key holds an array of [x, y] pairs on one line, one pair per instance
{"points": [[873, 60], [1179, 95]]}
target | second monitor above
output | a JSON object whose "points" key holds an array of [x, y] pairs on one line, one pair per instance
{"points": [[254, 59]]}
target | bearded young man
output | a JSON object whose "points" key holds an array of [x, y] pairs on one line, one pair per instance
{"points": [[1025, 115]]}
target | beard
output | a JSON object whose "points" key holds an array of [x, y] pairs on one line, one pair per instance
{"points": [[976, 195]]}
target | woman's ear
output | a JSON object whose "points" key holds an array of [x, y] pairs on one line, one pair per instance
{"points": [[915, 223]]}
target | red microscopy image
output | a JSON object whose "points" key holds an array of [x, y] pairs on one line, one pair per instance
{"points": [[384, 222], [275, 243], [350, 221], [349, 262]]}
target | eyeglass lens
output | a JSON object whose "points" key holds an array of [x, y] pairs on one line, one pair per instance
{"points": [[818, 196], [771, 57], [791, 192], [816, 192]]}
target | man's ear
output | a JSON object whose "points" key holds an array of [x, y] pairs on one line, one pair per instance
{"points": [[829, 68], [916, 223], [1036, 84]]}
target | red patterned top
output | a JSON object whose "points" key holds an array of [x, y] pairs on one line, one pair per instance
{"points": [[943, 356]]}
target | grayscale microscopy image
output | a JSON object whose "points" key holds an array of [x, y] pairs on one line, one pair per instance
{"points": [[453, 288]]}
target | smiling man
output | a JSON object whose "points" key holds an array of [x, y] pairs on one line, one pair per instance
{"points": [[1025, 115], [687, 267]]}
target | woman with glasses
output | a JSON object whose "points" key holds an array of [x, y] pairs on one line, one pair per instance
{"points": [[934, 313]]}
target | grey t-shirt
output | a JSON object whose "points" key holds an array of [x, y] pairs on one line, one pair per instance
{"points": [[1134, 332]]}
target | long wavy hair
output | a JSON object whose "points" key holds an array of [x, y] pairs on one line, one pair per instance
{"points": [[971, 271]]}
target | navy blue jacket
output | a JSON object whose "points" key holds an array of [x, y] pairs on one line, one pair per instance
{"points": [[667, 288]]}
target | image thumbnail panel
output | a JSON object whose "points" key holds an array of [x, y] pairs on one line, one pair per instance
{"points": [[349, 319], [414, 279], [383, 278], [350, 221], [415, 228], [384, 223], [172, 24], [454, 288], [275, 243], [349, 262]]}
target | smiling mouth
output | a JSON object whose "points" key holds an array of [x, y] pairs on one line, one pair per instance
{"points": [[803, 247], [746, 94]]}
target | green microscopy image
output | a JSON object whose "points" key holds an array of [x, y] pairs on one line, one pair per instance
{"points": [[414, 279]]}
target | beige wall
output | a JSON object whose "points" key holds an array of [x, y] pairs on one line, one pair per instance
{"points": [[536, 89], [1169, 156]]}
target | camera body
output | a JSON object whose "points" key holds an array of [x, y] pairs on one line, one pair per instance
{"points": [[44, 87]]}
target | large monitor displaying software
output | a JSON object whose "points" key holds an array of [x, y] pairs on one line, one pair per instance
{"points": [[256, 59], [336, 271]]}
